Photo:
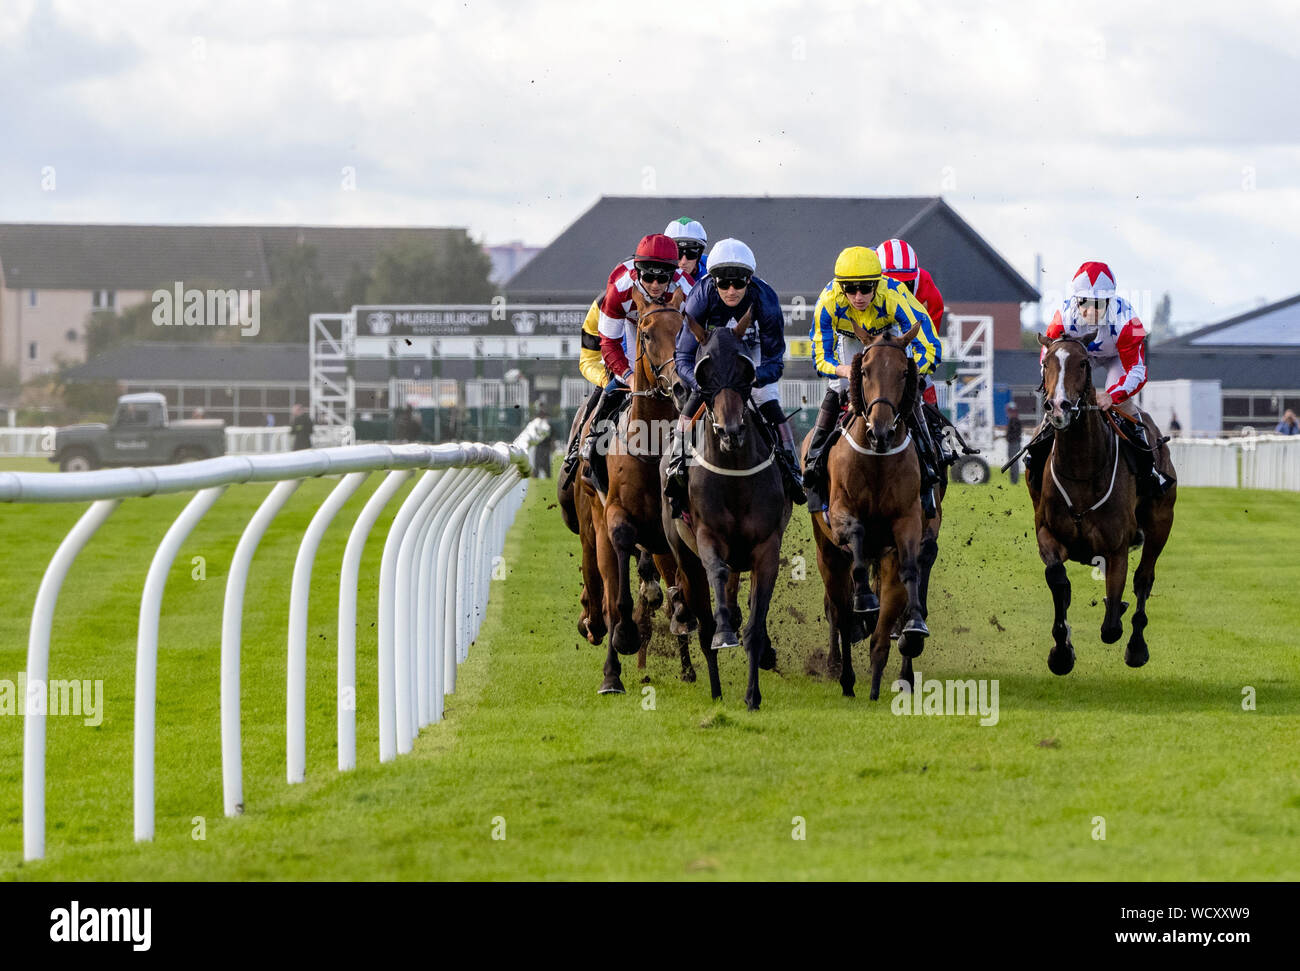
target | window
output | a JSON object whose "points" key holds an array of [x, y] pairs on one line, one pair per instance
{"points": [[104, 299], [564, 348], [31, 348], [31, 298]]}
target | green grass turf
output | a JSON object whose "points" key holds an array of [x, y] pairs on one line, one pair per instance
{"points": [[1190, 786]]}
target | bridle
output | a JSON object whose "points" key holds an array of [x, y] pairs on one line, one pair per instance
{"points": [[1072, 408], [659, 386], [881, 399]]}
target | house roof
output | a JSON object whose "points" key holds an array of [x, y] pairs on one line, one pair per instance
{"points": [[54, 256], [150, 361], [1277, 324], [795, 238]]}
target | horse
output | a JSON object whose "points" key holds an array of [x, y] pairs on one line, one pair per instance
{"points": [[874, 514], [738, 510], [623, 524], [1088, 508]]}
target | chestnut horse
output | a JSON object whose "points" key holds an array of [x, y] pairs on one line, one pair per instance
{"points": [[1088, 509], [738, 509], [624, 525], [874, 514]]}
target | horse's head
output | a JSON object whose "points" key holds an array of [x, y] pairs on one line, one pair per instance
{"points": [[657, 326], [1067, 377], [726, 377], [883, 387]]}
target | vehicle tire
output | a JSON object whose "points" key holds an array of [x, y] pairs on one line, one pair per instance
{"points": [[188, 455], [972, 471], [77, 460]]}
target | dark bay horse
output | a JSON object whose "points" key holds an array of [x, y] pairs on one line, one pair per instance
{"points": [[874, 514], [624, 525], [1088, 509], [738, 509]]}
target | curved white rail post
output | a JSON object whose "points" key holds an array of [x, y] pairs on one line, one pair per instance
{"points": [[487, 549], [418, 574], [146, 658], [232, 623], [443, 592], [394, 704], [432, 594], [349, 577], [404, 607], [295, 757], [450, 644], [467, 551], [38, 674]]}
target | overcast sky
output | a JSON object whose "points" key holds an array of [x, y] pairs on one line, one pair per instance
{"points": [[1162, 138]]}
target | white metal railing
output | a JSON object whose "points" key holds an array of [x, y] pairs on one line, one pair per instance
{"points": [[434, 580], [1248, 462], [26, 442]]}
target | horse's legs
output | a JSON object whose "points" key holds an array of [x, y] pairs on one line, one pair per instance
{"points": [[697, 598], [1061, 658], [733, 599], [1112, 625], [625, 637], [1156, 522], [907, 540], [852, 534], [762, 582], [894, 599], [607, 563], [592, 623], [674, 604], [716, 568], [925, 561], [833, 662]]}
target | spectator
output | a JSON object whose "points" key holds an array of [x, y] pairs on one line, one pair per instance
{"points": [[1175, 426], [270, 420], [542, 453], [197, 413], [301, 428], [1014, 434], [1288, 425], [408, 427]]}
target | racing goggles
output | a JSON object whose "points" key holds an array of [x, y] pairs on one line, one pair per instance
{"points": [[731, 281], [651, 273], [852, 287]]}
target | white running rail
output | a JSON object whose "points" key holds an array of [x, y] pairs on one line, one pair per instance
{"points": [[1248, 462], [434, 581]]}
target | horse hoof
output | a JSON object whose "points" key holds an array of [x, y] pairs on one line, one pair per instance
{"points": [[1109, 635], [679, 629], [912, 643], [1061, 662], [611, 686], [627, 641], [724, 639], [767, 660], [1136, 655], [847, 692], [865, 602], [688, 675], [653, 595]]}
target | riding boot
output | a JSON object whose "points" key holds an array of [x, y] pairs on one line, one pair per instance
{"points": [[937, 428], [787, 457], [814, 471], [925, 454], [1152, 483], [675, 484], [571, 458], [598, 474]]}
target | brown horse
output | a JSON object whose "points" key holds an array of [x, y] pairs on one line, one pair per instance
{"points": [[738, 510], [1088, 509], [623, 525], [874, 514]]}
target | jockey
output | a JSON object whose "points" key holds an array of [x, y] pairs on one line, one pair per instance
{"points": [[592, 367], [691, 240], [859, 294], [1120, 346], [652, 270], [898, 261], [722, 298]]}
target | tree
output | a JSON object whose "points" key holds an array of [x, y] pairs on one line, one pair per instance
{"points": [[414, 271], [298, 290], [1160, 329]]}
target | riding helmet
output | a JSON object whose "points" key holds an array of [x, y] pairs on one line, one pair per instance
{"points": [[857, 263]]}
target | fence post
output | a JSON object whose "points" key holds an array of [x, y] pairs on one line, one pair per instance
{"points": [[38, 674]]}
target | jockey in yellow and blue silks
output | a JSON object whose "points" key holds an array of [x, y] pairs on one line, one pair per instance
{"points": [[592, 367], [859, 294]]}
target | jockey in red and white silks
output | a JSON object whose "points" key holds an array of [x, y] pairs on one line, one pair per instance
{"points": [[1120, 342]]}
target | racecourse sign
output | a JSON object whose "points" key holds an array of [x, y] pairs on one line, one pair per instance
{"points": [[493, 320]]}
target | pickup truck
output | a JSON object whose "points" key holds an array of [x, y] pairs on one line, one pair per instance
{"points": [[140, 435]]}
